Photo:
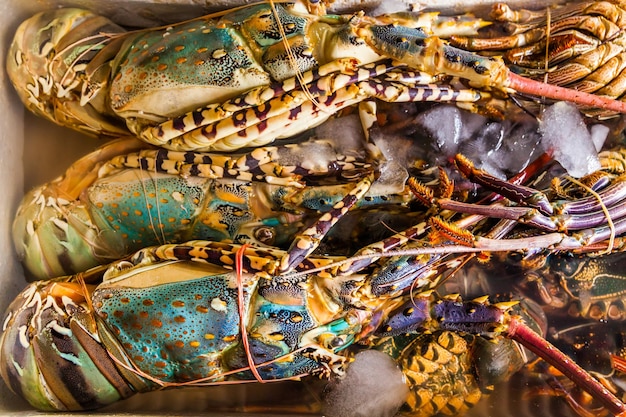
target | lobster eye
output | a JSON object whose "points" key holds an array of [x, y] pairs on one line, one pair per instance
{"points": [[565, 265], [265, 235], [336, 342]]}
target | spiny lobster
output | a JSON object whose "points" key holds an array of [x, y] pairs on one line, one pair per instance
{"points": [[248, 76]]}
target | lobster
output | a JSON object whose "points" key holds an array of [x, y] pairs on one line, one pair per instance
{"points": [[127, 195], [178, 315], [91, 87], [270, 70], [338, 301]]}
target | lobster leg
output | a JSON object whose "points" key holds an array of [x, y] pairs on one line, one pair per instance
{"points": [[305, 243], [579, 214], [325, 77], [261, 164], [283, 116]]}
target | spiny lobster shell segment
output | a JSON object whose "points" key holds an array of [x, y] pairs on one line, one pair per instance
{"points": [[47, 349], [41, 61], [152, 73], [437, 368], [197, 317]]}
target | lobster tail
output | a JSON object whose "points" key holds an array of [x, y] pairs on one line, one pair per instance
{"points": [[48, 349]]}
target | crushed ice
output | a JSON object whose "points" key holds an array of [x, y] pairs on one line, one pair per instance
{"points": [[347, 135], [372, 387], [566, 137], [507, 147], [502, 148]]}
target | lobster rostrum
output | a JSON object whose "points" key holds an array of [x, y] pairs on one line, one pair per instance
{"points": [[269, 70], [178, 315]]}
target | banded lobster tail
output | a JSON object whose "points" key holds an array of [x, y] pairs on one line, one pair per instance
{"points": [[577, 46], [270, 71]]}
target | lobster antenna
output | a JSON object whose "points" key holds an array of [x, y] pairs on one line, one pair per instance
{"points": [[292, 59], [548, 32], [605, 210], [524, 335], [156, 201], [106, 38], [242, 314]]}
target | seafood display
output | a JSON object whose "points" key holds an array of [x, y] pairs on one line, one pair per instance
{"points": [[280, 190]]}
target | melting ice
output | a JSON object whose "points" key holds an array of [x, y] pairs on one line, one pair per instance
{"points": [[566, 137], [372, 387]]}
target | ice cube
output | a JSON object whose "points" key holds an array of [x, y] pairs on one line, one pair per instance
{"points": [[566, 137], [373, 386]]}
